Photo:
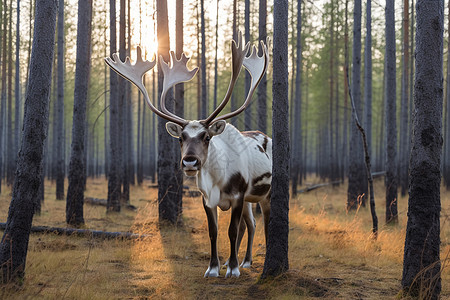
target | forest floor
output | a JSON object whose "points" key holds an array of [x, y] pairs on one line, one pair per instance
{"points": [[331, 253]]}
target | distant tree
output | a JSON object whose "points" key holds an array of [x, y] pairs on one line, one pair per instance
{"points": [[10, 155], [60, 163], [248, 111], [368, 77], [297, 139], [346, 87], [446, 158], [121, 98], [391, 113], [77, 167], [14, 244], [216, 48], [262, 87], [113, 201], [276, 261], [204, 99], [17, 93], [3, 92], [357, 179], [421, 262], [234, 29], [140, 137], [124, 104], [404, 103]]}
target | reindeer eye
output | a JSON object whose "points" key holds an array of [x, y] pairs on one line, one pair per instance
{"points": [[207, 138]]}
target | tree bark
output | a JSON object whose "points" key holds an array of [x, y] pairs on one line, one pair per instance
{"points": [[10, 156], [204, 100], [17, 88], [357, 183], [169, 207], [297, 143], [248, 110], [368, 77], [391, 113], [60, 169], [276, 261], [77, 167], [421, 262], [404, 100], [3, 92], [14, 244], [114, 169], [262, 87]]}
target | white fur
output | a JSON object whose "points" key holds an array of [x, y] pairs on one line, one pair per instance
{"points": [[230, 153]]}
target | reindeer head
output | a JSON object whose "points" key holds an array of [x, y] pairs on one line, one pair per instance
{"points": [[194, 136]]}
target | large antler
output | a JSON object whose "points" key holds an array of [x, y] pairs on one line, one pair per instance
{"points": [[134, 74], [174, 72], [238, 52], [257, 67]]}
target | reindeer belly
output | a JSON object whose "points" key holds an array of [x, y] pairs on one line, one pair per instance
{"points": [[224, 204]]}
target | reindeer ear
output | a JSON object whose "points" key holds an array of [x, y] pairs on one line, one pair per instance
{"points": [[217, 128], [174, 129]]}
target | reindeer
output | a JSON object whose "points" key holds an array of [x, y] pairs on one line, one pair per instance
{"points": [[233, 169]]}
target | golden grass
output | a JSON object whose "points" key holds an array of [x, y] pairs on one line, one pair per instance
{"points": [[331, 252]]}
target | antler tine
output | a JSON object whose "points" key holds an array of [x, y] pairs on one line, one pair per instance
{"points": [[175, 71], [238, 52], [257, 67], [134, 74]]}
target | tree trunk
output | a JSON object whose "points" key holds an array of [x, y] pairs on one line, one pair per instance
{"points": [[179, 107], [421, 264], [346, 87], [203, 62], [248, 110], [17, 88], [10, 156], [121, 98], [368, 77], [404, 101], [3, 92], [216, 74], [60, 169], [29, 163], [262, 87], [169, 207], [297, 143], [114, 170], [77, 168], [357, 180], [446, 162], [276, 261], [391, 113]]}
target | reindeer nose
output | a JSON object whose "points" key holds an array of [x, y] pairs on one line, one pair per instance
{"points": [[190, 162]]}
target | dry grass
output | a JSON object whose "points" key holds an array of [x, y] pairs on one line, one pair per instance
{"points": [[331, 253]]}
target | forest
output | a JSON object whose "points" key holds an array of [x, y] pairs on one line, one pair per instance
{"points": [[329, 153]]}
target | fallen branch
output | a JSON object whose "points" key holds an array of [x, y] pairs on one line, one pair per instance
{"points": [[316, 186], [367, 161], [85, 232], [103, 202]]}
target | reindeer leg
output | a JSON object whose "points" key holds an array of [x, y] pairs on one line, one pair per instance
{"points": [[249, 220], [236, 214], [241, 231], [211, 214]]}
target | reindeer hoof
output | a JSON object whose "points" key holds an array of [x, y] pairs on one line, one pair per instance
{"points": [[212, 272], [246, 264], [232, 272]]}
